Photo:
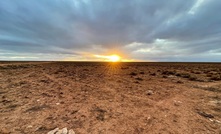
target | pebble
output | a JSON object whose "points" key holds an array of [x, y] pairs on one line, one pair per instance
{"points": [[217, 121], [149, 92], [64, 131], [71, 131], [177, 103], [30, 126], [53, 131], [61, 131]]}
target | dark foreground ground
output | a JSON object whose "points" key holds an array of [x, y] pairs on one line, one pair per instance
{"points": [[110, 98]]}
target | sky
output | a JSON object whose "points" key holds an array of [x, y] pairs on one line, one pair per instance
{"points": [[87, 30]]}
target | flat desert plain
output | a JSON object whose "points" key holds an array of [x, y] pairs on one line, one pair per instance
{"points": [[110, 98]]}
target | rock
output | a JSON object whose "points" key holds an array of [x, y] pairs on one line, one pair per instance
{"points": [[64, 131], [53, 131], [217, 121], [149, 92], [171, 76], [59, 132], [30, 126], [205, 114], [177, 103], [71, 131]]}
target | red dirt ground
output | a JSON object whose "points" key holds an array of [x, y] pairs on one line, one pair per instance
{"points": [[110, 98]]}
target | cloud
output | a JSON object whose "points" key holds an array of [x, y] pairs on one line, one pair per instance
{"points": [[142, 29]]}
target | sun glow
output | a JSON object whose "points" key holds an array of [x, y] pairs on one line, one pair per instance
{"points": [[111, 58], [114, 58]]}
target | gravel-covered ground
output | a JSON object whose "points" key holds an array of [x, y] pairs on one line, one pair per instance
{"points": [[110, 98]]}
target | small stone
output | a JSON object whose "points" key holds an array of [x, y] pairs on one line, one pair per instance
{"points": [[171, 76], [59, 132], [71, 131], [177, 103], [30, 126], [53, 131], [57, 103], [206, 115], [149, 92], [217, 121], [211, 120], [64, 131]]}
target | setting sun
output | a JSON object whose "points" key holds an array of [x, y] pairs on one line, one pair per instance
{"points": [[110, 58], [114, 58]]}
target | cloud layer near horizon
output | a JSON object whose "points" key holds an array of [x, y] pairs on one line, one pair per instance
{"points": [[159, 30]]}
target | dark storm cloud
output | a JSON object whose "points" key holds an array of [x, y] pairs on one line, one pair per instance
{"points": [[171, 30]]}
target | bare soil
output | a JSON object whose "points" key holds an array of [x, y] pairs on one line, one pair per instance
{"points": [[110, 98]]}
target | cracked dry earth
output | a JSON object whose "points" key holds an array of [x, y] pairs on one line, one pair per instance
{"points": [[110, 98]]}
